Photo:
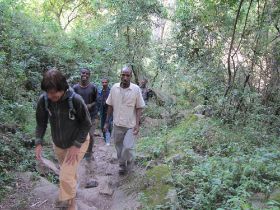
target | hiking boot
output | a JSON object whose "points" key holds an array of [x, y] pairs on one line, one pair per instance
{"points": [[89, 156], [72, 204], [123, 169], [130, 165], [62, 204]]}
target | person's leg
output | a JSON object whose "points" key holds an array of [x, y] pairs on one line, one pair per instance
{"points": [[102, 120], [68, 173], [118, 135], [128, 153], [91, 142]]}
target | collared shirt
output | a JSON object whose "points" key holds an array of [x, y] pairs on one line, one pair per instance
{"points": [[125, 101]]}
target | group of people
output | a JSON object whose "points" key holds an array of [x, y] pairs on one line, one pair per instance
{"points": [[72, 112]]}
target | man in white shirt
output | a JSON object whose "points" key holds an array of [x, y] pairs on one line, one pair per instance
{"points": [[126, 102]]}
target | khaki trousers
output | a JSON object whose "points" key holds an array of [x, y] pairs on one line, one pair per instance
{"points": [[68, 172], [124, 142]]}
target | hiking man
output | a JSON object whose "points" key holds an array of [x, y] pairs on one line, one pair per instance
{"points": [[144, 90], [126, 102], [70, 123], [103, 95], [89, 93]]}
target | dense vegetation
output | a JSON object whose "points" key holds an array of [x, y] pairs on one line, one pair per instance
{"points": [[222, 57]]}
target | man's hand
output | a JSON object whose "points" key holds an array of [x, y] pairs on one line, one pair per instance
{"points": [[72, 155], [38, 151], [106, 127], [136, 130]]}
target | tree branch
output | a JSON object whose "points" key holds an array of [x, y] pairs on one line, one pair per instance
{"points": [[243, 32], [69, 18], [231, 46]]}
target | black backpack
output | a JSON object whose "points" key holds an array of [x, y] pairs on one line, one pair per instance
{"points": [[72, 111]]}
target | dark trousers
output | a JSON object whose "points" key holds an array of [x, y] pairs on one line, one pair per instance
{"points": [[102, 120], [91, 134]]}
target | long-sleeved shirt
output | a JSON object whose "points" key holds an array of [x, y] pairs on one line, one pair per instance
{"points": [[65, 131]]}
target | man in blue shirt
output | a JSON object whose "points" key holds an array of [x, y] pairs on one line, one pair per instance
{"points": [[103, 95]]}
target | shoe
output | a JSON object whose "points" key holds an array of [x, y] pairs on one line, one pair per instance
{"points": [[130, 165], [89, 156], [122, 170], [62, 204], [72, 205]]}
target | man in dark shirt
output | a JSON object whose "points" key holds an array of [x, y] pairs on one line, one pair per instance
{"points": [[89, 93], [103, 95], [144, 90]]}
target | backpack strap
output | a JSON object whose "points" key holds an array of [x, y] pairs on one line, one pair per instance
{"points": [[72, 110], [47, 104]]}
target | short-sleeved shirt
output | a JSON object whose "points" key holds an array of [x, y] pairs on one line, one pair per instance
{"points": [[125, 101], [89, 94]]}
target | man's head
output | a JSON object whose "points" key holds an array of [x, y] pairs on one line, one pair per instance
{"points": [[85, 75], [143, 83], [126, 75], [55, 84], [105, 82]]}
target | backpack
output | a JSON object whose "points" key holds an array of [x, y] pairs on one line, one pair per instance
{"points": [[72, 110]]}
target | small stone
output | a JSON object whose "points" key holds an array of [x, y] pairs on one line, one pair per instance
{"points": [[177, 159], [150, 165], [107, 191], [108, 173], [91, 183]]}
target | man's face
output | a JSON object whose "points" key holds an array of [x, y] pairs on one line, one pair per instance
{"points": [[55, 95], [85, 74], [143, 83], [104, 83], [126, 77]]}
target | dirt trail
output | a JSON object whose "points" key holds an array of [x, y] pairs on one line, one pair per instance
{"points": [[112, 193]]}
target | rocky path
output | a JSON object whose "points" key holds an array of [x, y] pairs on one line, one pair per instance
{"points": [[113, 192]]}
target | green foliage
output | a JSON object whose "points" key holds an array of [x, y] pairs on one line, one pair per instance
{"points": [[216, 165], [13, 156]]}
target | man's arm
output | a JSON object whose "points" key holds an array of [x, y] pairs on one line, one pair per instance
{"points": [[84, 121], [108, 117], [138, 117], [95, 97], [42, 122], [140, 104]]}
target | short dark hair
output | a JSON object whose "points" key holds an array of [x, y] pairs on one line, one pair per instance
{"points": [[54, 80], [84, 68], [105, 78]]}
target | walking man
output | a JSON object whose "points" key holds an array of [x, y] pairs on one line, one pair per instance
{"points": [[126, 102], [144, 90], [70, 123], [89, 93], [103, 95]]}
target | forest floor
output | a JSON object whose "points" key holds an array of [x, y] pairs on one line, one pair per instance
{"points": [[113, 191]]}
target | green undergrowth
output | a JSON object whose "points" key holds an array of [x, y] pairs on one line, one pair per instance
{"points": [[215, 166]]}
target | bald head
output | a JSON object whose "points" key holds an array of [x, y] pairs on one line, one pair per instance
{"points": [[126, 69], [126, 75]]}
